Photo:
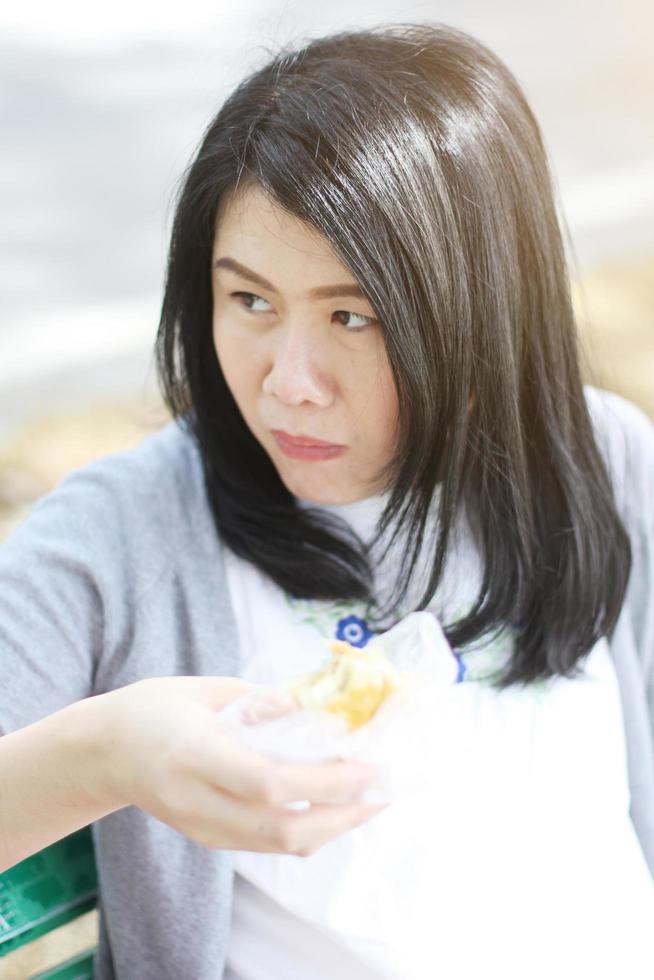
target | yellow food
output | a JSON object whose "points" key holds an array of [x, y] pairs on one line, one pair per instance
{"points": [[354, 685]]}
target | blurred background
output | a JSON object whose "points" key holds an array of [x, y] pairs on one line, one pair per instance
{"points": [[101, 111]]}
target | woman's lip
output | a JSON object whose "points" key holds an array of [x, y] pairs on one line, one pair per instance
{"points": [[305, 441], [299, 450]]}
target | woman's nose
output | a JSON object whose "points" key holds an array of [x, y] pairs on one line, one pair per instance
{"points": [[298, 370]]}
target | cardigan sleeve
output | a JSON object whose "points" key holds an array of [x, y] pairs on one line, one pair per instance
{"points": [[626, 435], [639, 519], [70, 577]]}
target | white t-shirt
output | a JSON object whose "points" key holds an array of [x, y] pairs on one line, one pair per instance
{"points": [[574, 879]]}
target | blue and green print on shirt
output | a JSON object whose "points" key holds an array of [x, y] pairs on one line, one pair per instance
{"points": [[349, 620]]}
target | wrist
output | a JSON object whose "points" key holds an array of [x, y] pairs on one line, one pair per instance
{"points": [[89, 740], [53, 780]]}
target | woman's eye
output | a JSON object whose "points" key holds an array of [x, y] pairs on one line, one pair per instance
{"points": [[353, 327], [346, 318], [249, 299]]}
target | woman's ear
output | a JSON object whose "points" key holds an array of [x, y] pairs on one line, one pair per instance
{"points": [[471, 402]]}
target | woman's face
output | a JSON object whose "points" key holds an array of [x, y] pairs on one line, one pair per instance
{"points": [[301, 351]]}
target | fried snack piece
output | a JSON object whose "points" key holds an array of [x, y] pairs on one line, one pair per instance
{"points": [[353, 685]]}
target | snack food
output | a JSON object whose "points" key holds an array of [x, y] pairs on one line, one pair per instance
{"points": [[354, 685]]}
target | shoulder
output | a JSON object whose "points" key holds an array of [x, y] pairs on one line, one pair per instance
{"points": [[625, 436], [140, 484], [165, 455], [127, 510]]}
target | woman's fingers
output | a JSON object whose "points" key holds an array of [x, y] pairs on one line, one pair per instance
{"points": [[257, 706], [220, 821], [212, 691], [222, 762], [321, 782], [168, 754], [304, 832]]}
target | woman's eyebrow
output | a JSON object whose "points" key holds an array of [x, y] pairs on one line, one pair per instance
{"points": [[320, 292]]}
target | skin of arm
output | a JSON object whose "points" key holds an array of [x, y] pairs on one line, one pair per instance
{"points": [[51, 780]]}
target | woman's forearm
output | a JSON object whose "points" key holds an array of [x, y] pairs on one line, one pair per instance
{"points": [[52, 780]]}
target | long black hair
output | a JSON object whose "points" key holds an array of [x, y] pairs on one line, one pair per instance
{"points": [[411, 148]]}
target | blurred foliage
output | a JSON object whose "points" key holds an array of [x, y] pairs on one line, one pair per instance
{"points": [[44, 450], [615, 312]]}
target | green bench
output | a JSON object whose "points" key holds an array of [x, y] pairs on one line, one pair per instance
{"points": [[45, 891]]}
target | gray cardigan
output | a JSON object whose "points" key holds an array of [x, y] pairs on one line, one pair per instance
{"points": [[118, 575]]}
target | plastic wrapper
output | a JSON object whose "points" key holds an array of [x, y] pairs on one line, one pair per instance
{"points": [[507, 845], [393, 739]]}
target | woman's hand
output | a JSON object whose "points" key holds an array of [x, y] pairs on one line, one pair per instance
{"points": [[165, 751]]}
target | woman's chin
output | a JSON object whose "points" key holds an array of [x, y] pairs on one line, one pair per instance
{"points": [[322, 495], [319, 490]]}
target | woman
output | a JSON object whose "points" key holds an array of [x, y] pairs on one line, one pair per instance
{"points": [[368, 345]]}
